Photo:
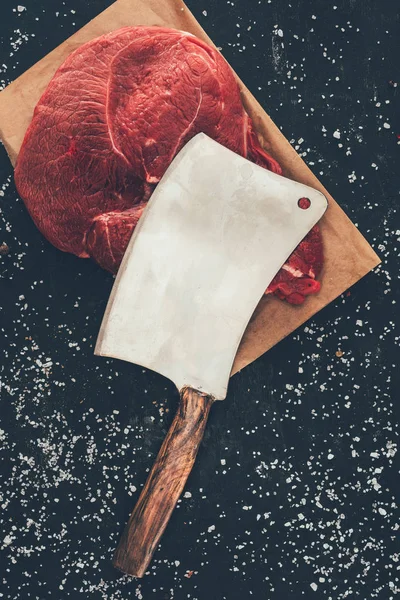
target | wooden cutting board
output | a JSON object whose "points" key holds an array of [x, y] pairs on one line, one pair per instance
{"points": [[348, 256]]}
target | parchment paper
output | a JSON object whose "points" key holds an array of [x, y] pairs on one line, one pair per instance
{"points": [[348, 256]]}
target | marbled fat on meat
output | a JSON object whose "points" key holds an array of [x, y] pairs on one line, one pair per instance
{"points": [[110, 122]]}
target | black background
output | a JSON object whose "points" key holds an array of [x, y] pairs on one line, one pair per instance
{"points": [[293, 493]]}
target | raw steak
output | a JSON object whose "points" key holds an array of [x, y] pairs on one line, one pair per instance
{"points": [[111, 120]]}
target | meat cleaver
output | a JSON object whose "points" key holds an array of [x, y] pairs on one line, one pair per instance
{"points": [[215, 232]]}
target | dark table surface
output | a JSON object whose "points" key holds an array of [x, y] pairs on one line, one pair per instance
{"points": [[293, 494]]}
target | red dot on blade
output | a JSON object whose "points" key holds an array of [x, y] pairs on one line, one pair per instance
{"points": [[304, 203]]}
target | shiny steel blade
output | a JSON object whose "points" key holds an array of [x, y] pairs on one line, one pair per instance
{"points": [[214, 234]]}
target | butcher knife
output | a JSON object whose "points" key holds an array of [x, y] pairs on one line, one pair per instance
{"points": [[215, 232]]}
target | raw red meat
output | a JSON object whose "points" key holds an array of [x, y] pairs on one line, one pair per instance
{"points": [[111, 120], [297, 277]]}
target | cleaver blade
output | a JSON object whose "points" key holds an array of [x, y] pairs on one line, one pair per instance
{"points": [[214, 234]]}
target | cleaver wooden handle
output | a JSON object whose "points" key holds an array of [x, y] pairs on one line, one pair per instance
{"points": [[164, 484]]}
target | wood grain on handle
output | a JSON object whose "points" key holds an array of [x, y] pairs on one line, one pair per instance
{"points": [[164, 484]]}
